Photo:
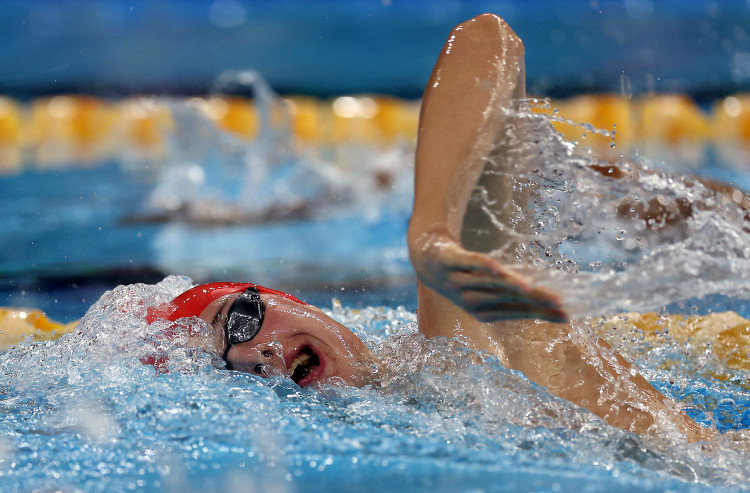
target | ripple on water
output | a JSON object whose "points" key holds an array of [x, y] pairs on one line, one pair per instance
{"points": [[83, 412]]}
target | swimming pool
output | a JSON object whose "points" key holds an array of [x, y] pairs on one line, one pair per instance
{"points": [[84, 413]]}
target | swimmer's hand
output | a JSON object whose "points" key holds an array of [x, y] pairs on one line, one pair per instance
{"points": [[478, 284]]}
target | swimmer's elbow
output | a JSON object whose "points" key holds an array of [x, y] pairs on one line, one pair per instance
{"points": [[489, 28]]}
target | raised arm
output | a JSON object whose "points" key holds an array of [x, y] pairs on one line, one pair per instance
{"points": [[480, 70], [464, 293]]}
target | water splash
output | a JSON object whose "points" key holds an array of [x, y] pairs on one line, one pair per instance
{"points": [[86, 408], [213, 177], [610, 236]]}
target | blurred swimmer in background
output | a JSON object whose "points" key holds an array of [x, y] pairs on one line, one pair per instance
{"points": [[461, 293]]}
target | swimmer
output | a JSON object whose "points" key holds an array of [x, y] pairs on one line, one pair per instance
{"points": [[267, 332], [460, 292]]}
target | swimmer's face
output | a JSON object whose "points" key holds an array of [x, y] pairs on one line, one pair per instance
{"points": [[295, 340]]}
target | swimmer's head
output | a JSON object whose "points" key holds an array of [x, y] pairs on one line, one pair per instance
{"points": [[266, 332], [244, 319]]}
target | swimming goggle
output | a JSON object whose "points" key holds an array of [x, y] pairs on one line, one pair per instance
{"points": [[244, 318]]}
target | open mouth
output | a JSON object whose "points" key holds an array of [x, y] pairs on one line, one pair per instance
{"points": [[304, 364]]}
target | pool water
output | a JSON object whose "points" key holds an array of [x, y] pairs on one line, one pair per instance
{"points": [[350, 241], [83, 413], [576, 230]]}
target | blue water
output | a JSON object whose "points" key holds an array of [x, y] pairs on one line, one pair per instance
{"points": [[69, 234], [52, 217], [84, 413]]}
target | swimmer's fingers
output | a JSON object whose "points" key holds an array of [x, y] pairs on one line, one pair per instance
{"points": [[489, 279], [456, 261], [487, 284], [515, 312], [500, 304], [493, 301], [479, 284], [490, 291]]}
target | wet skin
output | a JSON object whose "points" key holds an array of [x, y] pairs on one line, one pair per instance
{"points": [[295, 340]]}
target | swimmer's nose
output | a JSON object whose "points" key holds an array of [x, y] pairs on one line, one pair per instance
{"points": [[265, 361], [276, 366]]}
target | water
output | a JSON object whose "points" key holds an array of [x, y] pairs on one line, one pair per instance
{"points": [[83, 413], [647, 239]]}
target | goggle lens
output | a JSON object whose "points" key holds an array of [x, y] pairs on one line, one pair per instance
{"points": [[245, 317]]}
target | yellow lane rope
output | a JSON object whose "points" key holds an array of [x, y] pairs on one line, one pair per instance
{"points": [[81, 130], [723, 337], [18, 324]]}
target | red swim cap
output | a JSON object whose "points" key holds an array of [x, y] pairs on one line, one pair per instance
{"points": [[193, 301], [190, 304]]}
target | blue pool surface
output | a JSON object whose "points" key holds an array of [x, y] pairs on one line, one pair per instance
{"points": [[84, 414], [53, 218]]}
